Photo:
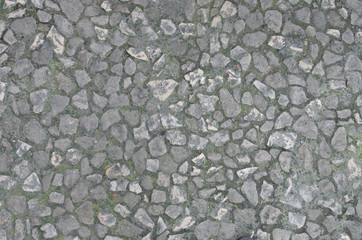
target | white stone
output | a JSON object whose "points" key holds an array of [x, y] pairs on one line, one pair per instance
{"points": [[162, 89], [57, 40], [32, 183], [141, 55]]}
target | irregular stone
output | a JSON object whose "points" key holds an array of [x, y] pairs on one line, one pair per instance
{"points": [[274, 20], [67, 223], [281, 234], [230, 106], [80, 100], [306, 126], [162, 89], [269, 215], [24, 26], [35, 132], [255, 39], [57, 40], [157, 146], [219, 61], [196, 142], [16, 204], [109, 118], [184, 223], [128, 229], [72, 9], [32, 183], [85, 213], [143, 218], [228, 9], [108, 220], [23, 67], [249, 189], [49, 230]]}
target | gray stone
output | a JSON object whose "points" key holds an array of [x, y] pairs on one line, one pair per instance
{"points": [[331, 58], [206, 229], [23, 67], [249, 189], [24, 26], [49, 230], [89, 123], [244, 217], [219, 138], [80, 100], [98, 193], [16, 204], [35, 132], [39, 99], [72, 9], [157, 146], [79, 192], [67, 223], [139, 159], [353, 63], [128, 229], [82, 78], [254, 20], [297, 219], [339, 140], [58, 103], [234, 196], [65, 84], [68, 125], [144, 219], [255, 39], [32, 183], [196, 142], [281, 234], [57, 198], [63, 25], [219, 61], [314, 230], [108, 220], [269, 215], [266, 190], [303, 15], [273, 19], [85, 213], [37, 210], [139, 96], [129, 66], [242, 56], [275, 80], [71, 177], [306, 126], [230, 106], [228, 9], [109, 118], [178, 195]]}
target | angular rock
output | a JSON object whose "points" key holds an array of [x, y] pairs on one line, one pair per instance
{"points": [[230, 106], [32, 183], [67, 223], [72, 9], [306, 126], [269, 215]]}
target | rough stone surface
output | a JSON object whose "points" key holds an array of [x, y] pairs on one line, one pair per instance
{"points": [[192, 119]]}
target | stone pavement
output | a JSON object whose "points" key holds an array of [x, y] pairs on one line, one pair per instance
{"points": [[180, 119]]}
